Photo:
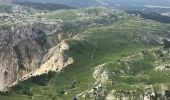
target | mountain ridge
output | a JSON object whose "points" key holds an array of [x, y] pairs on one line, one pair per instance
{"points": [[80, 3]]}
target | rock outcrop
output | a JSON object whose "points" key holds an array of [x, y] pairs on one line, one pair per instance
{"points": [[25, 48]]}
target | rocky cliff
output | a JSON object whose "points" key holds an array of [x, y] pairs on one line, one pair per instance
{"points": [[23, 49]]}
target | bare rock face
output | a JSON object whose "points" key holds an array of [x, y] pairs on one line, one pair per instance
{"points": [[23, 49], [55, 59], [101, 74]]}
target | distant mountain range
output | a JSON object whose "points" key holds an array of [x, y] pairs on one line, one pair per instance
{"points": [[140, 2], [84, 3], [71, 3], [47, 6]]}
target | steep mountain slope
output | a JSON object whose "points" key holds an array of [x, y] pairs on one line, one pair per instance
{"points": [[111, 55], [22, 48], [28, 45]]}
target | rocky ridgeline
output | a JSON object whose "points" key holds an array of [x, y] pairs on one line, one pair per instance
{"points": [[105, 79], [22, 48]]}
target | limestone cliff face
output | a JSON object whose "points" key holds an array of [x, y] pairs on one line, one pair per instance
{"points": [[23, 49], [55, 59]]}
